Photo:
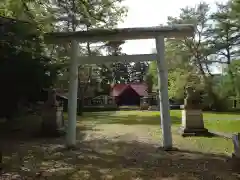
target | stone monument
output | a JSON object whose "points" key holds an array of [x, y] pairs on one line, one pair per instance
{"points": [[192, 116], [52, 116], [144, 105], [236, 154], [236, 144]]}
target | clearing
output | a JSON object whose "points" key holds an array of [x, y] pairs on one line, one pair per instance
{"points": [[124, 145]]}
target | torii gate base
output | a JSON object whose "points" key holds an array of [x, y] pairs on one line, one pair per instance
{"points": [[159, 33]]}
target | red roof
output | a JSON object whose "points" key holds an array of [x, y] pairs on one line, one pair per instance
{"points": [[140, 88]]}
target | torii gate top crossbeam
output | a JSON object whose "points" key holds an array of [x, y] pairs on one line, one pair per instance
{"points": [[97, 35]]}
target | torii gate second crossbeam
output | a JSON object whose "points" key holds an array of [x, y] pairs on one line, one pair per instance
{"points": [[96, 35]]}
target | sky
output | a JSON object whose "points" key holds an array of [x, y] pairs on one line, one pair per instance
{"points": [[152, 13]]}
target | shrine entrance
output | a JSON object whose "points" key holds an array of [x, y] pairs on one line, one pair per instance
{"points": [[129, 97], [95, 35]]}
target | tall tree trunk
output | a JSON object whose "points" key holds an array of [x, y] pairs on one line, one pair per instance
{"points": [[83, 89], [208, 81], [228, 56]]}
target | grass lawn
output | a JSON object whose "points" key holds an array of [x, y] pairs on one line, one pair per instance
{"points": [[151, 120], [222, 122], [122, 145]]}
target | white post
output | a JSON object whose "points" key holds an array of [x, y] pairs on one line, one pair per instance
{"points": [[163, 94], [72, 96], [106, 100]]}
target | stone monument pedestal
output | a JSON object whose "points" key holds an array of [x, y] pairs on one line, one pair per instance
{"points": [[236, 144], [236, 153], [192, 123], [53, 121]]}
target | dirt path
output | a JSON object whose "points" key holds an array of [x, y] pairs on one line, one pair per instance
{"points": [[113, 152], [140, 133], [137, 143]]}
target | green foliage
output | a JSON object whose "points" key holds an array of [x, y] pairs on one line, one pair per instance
{"points": [[152, 75], [138, 71], [223, 35], [149, 81], [91, 13], [230, 83], [234, 68], [85, 15], [235, 11], [185, 56], [24, 71], [189, 60], [121, 72]]}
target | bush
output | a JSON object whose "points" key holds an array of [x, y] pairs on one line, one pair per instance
{"points": [[144, 106], [214, 103]]}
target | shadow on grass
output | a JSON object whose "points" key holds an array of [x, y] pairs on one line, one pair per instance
{"points": [[105, 159], [128, 119]]}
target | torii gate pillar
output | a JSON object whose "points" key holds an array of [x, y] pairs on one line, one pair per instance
{"points": [[72, 96], [163, 94]]}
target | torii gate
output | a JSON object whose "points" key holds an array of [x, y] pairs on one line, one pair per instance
{"points": [[158, 33]]}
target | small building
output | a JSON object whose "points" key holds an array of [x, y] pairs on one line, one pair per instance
{"points": [[129, 94]]}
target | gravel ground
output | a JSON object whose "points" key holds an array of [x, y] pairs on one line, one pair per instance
{"points": [[111, 152]]}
